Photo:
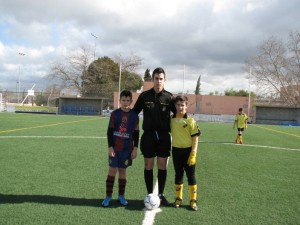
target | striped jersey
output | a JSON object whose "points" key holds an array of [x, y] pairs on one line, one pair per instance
{"points": [[123, 125]]}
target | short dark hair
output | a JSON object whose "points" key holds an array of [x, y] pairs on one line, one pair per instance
{"points": [[181, 98], [240, 109], [126, 93], [158, 70]]}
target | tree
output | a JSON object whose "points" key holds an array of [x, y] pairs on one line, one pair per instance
{"points": [[232, 92], [241, 92], [51, 93], [276, 68], [147, 75], [197, 91], [102, 78], [97, 78], [131, 81], [71, 72], [129, 63], [40, 100]]}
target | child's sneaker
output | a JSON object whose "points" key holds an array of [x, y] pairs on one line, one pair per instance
{"points": [[106, 201], [193, 204], [122, 200], [178, 202]]}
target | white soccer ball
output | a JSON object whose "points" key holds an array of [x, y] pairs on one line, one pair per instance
{"points": [[152, 201]]}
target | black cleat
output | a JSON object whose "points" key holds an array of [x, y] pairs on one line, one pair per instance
{"points": [[163, 200]]}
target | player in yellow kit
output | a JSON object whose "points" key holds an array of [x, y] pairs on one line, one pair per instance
{"points": [[241, 122], [185, 133]]}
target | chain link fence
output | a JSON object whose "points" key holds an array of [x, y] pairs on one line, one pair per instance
{"points": [[9, 98]]}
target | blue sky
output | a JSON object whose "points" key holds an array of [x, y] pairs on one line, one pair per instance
{"points": [[210, 37]]}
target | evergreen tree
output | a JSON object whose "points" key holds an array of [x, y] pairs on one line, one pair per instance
{"points": [[197, 91], [147, 76]]}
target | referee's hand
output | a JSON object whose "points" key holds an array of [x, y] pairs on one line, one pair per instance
{"points": [[134, 153]]}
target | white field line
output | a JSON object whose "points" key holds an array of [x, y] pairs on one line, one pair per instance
{"points": [[150, 214], [271, 147], [257, 146], [65, 137], [94, 137]]}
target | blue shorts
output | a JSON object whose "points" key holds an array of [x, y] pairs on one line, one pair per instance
{"points": [[122, 159]]}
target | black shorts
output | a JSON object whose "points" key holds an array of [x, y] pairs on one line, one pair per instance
{"points": [[155, 144], [240, 129]]}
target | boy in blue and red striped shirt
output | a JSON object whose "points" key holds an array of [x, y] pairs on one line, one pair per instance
{"points": [[123, 138]]}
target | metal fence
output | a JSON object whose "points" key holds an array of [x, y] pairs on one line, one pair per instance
{"points": [[39, 98]]}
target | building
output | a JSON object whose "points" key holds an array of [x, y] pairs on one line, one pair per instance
{"points": [[206, 104]]}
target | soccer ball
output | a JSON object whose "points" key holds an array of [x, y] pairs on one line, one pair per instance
{"points": [[152, 201]]}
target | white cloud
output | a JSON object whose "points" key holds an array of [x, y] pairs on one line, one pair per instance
{"points": [[211, 37]]}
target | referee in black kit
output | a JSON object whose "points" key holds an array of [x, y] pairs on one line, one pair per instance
{"points": [[156, 103]]}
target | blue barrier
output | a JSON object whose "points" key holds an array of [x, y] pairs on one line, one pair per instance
{"points": [[78, 110]]}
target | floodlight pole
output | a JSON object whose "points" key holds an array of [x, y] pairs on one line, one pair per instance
{"points": [[18, 85], [19, 82], [95, 37], [183, 78], [120, 74], [249, 96]]}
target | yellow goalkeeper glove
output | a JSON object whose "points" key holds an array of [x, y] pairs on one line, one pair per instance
{"points": [[192, 158]]}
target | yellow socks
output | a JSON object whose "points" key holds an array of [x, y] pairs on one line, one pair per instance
{"points": [[179, 190], [239, 139], [193, 192]]}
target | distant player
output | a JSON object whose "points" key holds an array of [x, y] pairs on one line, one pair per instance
{"points": [[241, 121], [185, 133], [123, 137]]}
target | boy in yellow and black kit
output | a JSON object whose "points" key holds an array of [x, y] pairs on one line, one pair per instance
{"points": [[241, 122], [185, 133]]}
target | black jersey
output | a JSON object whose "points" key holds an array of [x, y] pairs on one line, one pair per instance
{"points": [[156, 109]]}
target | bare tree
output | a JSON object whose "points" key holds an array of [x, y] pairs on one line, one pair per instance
{"points": [[129, 63], [276, 69], [71, 73], [94, 78]]}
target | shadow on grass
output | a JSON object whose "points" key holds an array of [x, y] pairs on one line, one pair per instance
{"points": [[59, 200]]}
